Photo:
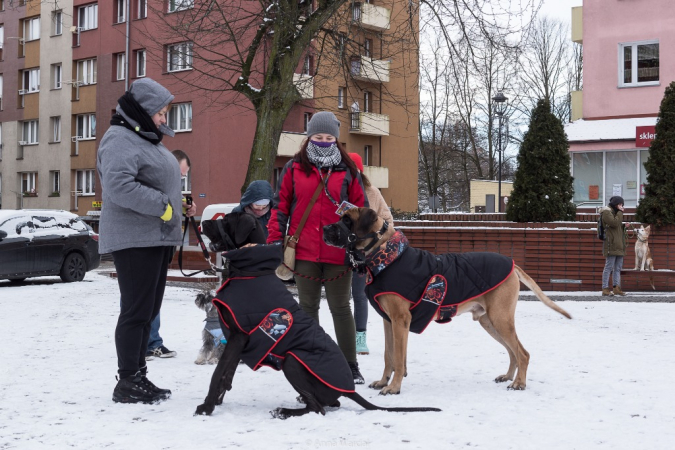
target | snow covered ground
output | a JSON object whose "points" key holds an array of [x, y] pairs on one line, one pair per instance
{"points": [[601, 380]]}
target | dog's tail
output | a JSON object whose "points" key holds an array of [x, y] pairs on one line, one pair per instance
{"points": [[534, 287], [370, 407]]}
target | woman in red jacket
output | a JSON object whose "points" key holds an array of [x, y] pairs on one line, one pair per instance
{"points": [[320, 157]]}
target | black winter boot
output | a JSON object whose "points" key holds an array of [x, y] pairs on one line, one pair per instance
{"points": [[166, 393], [132, 389], [358, 378]]}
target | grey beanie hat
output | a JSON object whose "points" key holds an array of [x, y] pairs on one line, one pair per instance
{"points": [[324, 122], [151, 95]]}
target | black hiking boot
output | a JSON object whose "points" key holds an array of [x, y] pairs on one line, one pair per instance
{"points": [[133, 389], [164, 393], [358, 378]]}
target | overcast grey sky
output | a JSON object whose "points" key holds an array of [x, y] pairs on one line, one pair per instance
{"points": [[561, 9]]}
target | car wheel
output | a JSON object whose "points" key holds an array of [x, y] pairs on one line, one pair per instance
{"points": [[74, 267]]}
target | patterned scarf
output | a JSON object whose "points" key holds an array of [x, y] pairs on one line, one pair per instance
{"points": [[380, 259], [323, 154]]}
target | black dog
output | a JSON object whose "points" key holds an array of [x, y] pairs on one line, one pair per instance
{"points": [[264, 326]]}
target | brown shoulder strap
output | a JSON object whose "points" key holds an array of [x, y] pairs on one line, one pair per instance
{"points": [[294, 240]]}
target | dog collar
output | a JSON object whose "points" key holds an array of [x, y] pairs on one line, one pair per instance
{"points": [[380, 259]]}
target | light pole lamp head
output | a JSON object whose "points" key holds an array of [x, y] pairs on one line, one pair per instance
{"points": [[500, 103]]}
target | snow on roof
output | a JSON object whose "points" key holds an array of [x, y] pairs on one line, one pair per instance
{"points": [[606, 130]]}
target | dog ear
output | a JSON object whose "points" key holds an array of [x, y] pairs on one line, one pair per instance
{"points": [[367, 217], [648, 227]]}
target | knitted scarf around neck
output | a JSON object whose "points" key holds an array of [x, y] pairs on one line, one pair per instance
{"points": [[320, 156]]}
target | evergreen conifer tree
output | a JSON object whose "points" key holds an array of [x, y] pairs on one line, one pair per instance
{"points": [[542, 189], [658, 206]]}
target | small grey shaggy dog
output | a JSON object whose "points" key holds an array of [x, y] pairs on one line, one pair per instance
{"points": [[212, 335]]}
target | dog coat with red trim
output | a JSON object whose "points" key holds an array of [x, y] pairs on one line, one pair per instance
{"points": [[263, 308], [433, 284]]}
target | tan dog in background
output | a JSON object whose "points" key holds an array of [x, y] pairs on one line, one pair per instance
{"points": [[494, 310], [643, 256]]}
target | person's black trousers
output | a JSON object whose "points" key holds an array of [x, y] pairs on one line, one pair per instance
{"points": [[141, 276]]}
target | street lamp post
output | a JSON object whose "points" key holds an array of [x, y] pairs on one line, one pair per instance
{"points": [[500, 108]]}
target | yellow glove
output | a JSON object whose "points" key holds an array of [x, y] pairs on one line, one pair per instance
{"points": [[167, 214]]}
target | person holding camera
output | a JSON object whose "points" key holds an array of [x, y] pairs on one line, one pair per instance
{"points": [[614, 245], [156, 347]]}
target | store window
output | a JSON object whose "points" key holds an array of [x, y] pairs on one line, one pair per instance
{"points": [[587, 170], [621, 176]]}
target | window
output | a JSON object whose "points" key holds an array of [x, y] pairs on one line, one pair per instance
{"points": [[368, 47], [56, 76], [2, 37], [30, 80], [367, 154], [29, 182], [639, 63], [179, 56], [142, 10], [84, 180], [180, 117], [307, 116], [56, 128], [307, 66], [86, 71], [120, 11], [366, 101], [86, 126], [55, 181], [180, 5], [87, 17], [140, 63], [120, 65], [186, 184], [31, 29], [29, 132], [57, 23], [341, 97]]}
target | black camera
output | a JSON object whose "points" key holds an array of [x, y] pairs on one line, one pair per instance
{"points": [[188, 200]]}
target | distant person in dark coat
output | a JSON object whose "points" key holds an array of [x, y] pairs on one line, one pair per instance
{"points": [[614, 245], [257, 201]]}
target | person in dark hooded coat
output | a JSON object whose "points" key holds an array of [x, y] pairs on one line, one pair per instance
{"points": [[257, 200]]}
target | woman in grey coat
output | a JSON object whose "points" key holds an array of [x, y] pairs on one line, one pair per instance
{"points": [[140, 225]]}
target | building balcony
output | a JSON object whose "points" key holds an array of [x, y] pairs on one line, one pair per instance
{"points": [[304, 84], [289, 143], [378, 176], [577, 105], [369, 123], [367, 69], [371, 17], [578, 25]]}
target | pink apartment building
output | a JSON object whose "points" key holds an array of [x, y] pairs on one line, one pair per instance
{"points": [[624, 80]]}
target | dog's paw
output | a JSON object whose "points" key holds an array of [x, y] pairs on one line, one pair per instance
{"points": [[204, 410], [378, 384], [200, 361], [279, 413], [502, 379], [390, 391], [516, 386]]}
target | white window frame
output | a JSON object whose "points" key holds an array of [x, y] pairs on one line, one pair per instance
{"points": [[30, 132], [140, 63], [87, 17], [306, 117], [186, 184], [85, 126], [31, 29], [142, 11], [2, 36], [29, 182], [341, 97], [182, 51], [55, 181], [85, 182], [634, 61], [30, 80], [307, 65], [56, 128], [86, 71], [121, 11], [57, 76], [179, 117], [179, 5], [367, 154], [120, 63], [57, 23]]}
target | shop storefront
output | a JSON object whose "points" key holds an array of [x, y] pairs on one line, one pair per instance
{"points": [[607, 159]]}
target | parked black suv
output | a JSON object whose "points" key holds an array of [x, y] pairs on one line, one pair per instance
{"points": [[41, 242]]}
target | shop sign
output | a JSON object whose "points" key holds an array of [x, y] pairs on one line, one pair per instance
{"points": [[96, 204], [644, 136]]}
